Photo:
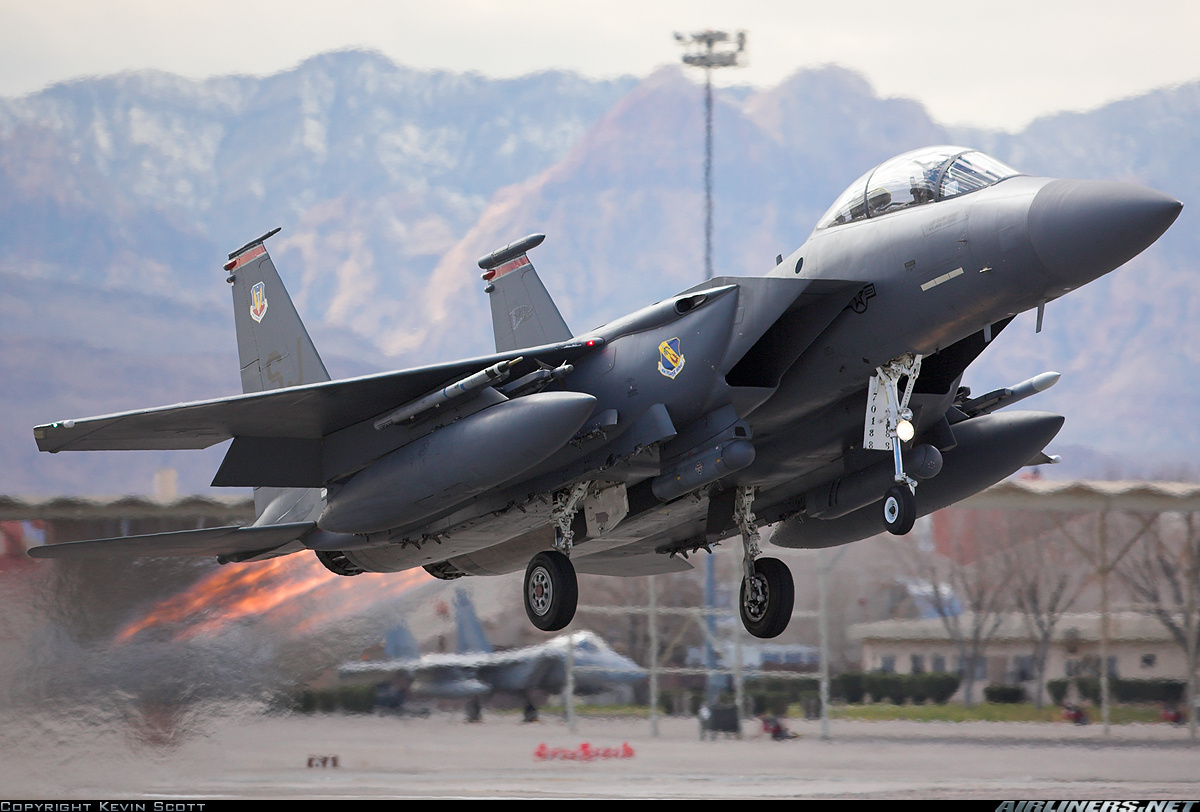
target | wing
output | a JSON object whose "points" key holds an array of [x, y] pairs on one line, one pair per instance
{"points": [[297, 413], [234, 543]]}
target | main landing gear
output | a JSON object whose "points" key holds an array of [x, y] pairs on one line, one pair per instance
{"points": [[768, 592], [551, 591], [767, 597], [551, 588]]}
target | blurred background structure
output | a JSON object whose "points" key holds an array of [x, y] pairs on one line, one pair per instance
{"points": [[1035, 591]]}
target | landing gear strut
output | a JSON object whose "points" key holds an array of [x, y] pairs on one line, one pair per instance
{"points": [[551, 588], [566, 505], [768, 592], [900, 502]]}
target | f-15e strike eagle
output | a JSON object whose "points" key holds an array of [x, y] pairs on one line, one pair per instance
{"points": [[475, 672], [825, 396]]}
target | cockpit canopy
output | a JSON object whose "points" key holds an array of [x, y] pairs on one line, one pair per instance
{"points": [[915, 178]]}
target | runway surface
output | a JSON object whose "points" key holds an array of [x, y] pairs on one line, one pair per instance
{"points": [[442, 756]]}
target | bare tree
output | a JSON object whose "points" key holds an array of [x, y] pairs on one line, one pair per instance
{"points": [[1104, 554], [1046, 579], [968, 590], [1164, 574]]}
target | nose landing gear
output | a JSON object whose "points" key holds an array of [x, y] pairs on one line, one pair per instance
{"points": [[900, 502], [899, 510]]}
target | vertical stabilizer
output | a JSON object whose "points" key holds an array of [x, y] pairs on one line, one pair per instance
{"points": [[274, 349], [523, 314], [399, 644], [471, 639], [274, 352]]}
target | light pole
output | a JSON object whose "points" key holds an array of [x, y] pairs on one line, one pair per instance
{"points": [[711, 49]]}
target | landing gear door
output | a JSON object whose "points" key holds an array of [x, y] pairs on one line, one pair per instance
{"points": [[604, 510], [875, 428]]}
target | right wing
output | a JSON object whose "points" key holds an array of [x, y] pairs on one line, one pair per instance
{"points": [[237, 543]]}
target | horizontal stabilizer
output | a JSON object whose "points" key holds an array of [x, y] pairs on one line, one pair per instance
{"points": [[231, 541]]}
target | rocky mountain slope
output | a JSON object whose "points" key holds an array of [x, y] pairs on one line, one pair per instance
{"points": [[119, 197]]}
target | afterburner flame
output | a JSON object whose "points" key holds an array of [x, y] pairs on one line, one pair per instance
{"points": [[296, 590]]}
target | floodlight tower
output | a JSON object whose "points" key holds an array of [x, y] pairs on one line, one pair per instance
{"points": [[711, 49]]}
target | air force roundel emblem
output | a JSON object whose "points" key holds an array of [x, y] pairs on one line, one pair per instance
{"points": [[258, 302], [670, 359]]}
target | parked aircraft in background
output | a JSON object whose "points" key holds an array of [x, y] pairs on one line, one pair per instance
{"points": [[826, 395], [475, 671]]}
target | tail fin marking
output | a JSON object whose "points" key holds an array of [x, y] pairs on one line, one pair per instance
{"points": [[274, 348], [523, 314]]}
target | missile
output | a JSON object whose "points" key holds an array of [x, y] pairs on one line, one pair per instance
{"points": [[536, 380], [496, 373], [998, 399]]}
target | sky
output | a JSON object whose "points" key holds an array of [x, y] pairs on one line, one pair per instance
{"points": [[996, 65]]}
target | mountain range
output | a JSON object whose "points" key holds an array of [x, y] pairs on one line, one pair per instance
{"points": [[121, 195]]}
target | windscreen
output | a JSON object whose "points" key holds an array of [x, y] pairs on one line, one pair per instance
{"points": [[914, 179]]}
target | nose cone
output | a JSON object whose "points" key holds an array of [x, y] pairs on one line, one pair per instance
{"points": [[1082, 229]]}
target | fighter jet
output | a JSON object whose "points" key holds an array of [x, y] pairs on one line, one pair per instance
{"points": [[825, 397], [475, 671]]}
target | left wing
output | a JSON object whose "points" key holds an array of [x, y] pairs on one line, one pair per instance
{"points": [[307, 412]]}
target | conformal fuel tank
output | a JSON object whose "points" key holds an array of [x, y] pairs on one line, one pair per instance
{"points": [[456, 462]]}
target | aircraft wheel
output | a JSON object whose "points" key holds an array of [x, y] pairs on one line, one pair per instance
{"points": [[899, 510], [767, 601], [551, 591]]}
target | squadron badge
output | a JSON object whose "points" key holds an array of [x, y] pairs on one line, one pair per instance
{"points": [[258, 302], [670, 359]]}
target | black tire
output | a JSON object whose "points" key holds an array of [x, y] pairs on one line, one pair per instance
{"points": [[768, 615], [551, 591], [899, 510]]}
